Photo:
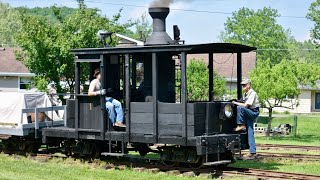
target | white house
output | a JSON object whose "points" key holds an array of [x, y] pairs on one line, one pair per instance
{"points": [[14, 75], [127, 41], [308, 101]]}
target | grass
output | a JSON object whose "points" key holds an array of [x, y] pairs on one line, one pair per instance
{"points": [[23, 168], [308, 132]]}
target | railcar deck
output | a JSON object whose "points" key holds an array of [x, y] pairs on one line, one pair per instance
{"points": [[27, 129]]}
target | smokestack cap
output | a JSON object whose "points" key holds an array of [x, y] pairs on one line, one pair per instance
{"points": [[159, 12], [159, 35]]}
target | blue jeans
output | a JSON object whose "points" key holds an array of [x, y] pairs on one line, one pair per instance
{"points": [[114, 109], [247, 116]]}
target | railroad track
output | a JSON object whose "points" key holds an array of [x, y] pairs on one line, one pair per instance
{"points": [[154, 166], [266, 174], [280, 146]]}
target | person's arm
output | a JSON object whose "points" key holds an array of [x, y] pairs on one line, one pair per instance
{"points": [[92, 86], [241, 104], [248, 102], [91, 91]]}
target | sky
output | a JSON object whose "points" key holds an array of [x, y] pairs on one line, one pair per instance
{"points": [[206, 19]]}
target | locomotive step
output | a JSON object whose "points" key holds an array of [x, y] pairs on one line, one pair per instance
{"points": [[115, 154], [217, 163]]}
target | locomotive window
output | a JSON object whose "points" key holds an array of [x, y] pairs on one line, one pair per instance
{"points": [[86, 75]]}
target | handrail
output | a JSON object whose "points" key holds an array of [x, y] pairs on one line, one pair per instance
{"points": [[44, 109]]}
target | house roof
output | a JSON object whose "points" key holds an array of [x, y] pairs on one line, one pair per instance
{"points": [[223, 63], [127, 41], [9, 65], [316, 86]]}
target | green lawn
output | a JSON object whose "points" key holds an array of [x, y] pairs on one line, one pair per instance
{"points": [[308, 132], [23, 168]]}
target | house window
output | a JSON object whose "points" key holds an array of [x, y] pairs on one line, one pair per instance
{"points": [[317, 101], [24, 83]]}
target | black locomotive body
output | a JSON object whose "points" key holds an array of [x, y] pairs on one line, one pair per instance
{"points": [[157, 110]]}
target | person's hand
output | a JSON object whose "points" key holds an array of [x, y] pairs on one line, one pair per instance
{"points": [[103, 92], [109, 90]]}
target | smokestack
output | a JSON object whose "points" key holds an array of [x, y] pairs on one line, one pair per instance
{"points": [[159, 35]]}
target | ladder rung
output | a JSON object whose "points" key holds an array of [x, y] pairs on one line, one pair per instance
{"points": [[217, 163], [114, 154]]}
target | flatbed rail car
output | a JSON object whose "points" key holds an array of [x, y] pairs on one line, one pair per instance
{"points": [[26, 136], [192, 132]]}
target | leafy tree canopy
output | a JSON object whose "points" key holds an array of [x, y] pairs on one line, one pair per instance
{"points": [[282, 80], [259, 29], [305, 51], [48, 12], [278, 83], [314, 15], [10, 25], [143, 29], [198, 81], [47, 45]]}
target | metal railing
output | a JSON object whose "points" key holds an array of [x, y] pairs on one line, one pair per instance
{"points": [[44, 109]]}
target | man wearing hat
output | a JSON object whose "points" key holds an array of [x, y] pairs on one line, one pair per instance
{"points": [[113, 106], [247, 112]]}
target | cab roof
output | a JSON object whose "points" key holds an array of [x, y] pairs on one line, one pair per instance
{"points": [[189, 49]]}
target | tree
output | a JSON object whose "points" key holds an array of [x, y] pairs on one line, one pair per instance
{"points": [[278, 83], [198, 82], [314, 15], [259, 29], [47, 45], [10, 25], [305, 51], [143, 29], [48, 12]]}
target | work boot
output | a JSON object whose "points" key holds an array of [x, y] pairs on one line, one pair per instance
{"points": [[241, 127], [249, 156], [119, 124]]}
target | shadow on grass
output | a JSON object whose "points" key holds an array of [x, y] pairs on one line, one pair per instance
{"points": [[268, 164]]}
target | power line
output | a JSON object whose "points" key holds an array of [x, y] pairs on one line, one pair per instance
{"points": [[187, 10], [175, 9]]}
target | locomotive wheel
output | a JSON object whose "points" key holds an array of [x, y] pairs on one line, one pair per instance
{"points": [[33, 147], [95, 151], [143, 149], [23, 147], [198, 164], [169, 163]]}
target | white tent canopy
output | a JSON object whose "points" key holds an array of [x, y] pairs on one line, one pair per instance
{"points": [[12, 104]]}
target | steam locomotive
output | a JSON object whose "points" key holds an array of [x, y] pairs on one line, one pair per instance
{"points": [[194, 132]]}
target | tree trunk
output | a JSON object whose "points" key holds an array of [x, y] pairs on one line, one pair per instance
{"points": [[269, 122]]}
